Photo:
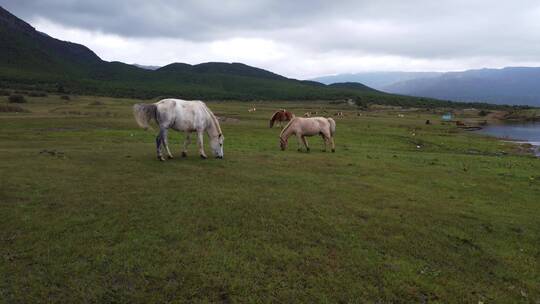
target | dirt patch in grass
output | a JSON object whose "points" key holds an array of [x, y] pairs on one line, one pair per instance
{"points": [[225, 119], [61, 129], [53, 152], [16, 99], [6, 108]]}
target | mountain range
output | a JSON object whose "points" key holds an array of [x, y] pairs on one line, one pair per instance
{"points": [[510, 85], [376, 80], [33, 60]]}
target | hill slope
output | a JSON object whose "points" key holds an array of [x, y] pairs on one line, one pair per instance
{"points": [[353, 85], [512, 85], [377, 80]]}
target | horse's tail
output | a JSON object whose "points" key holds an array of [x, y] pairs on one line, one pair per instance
{"points": [[273, 119], [332, 126], [144, 113]]}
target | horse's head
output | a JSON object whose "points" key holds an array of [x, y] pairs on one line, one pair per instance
{"points": [[216, 143], [283, 143]]}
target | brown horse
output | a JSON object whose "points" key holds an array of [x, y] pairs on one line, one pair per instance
{"points": [[281, 116]]}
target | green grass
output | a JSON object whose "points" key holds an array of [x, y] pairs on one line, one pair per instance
{"points": [[87, 213]]}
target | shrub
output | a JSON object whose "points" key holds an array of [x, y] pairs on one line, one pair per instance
{"points": [[361, 103], [37, 94], [16, 99], [483, 113], [60, 88], [7, 108], [65, 97], [4, 93]]}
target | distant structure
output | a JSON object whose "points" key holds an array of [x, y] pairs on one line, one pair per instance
{"points": [[447, 117]]}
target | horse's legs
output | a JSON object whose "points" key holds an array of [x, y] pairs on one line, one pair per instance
{"points": [[166, 142], [187, 141], [328, 140], [305, 143], [159, 143], [300, 140], [200, 137], [325, 141]]}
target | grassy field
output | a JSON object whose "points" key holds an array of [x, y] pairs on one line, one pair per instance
{"points": [[402, 212]]}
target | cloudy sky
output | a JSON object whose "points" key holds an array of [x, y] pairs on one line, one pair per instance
{"points": [[299, 38]]}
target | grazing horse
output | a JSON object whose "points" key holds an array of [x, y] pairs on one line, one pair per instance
{"points": [[301, 127], [181, 115], [281, 116]]}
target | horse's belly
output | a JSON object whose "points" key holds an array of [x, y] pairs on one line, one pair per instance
{"points": [[182, 125], [312, 129], [312, 133]]}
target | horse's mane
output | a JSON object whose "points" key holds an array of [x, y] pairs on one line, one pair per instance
{"points": [[274, 117], [213, 118], [286, 127]]}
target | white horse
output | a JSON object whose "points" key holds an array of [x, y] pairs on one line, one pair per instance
{"points": [[181, 115]]}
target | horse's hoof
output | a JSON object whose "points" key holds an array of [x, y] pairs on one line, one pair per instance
{"points": [[170, 157], [333, 150], [307, 150], [160, 158], [184, 154], [204, 156], [299, 150]]}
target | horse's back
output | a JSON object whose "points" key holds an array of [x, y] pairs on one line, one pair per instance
{"points": [[321, 121], [173, 102], [315, 125], [183, 115]]}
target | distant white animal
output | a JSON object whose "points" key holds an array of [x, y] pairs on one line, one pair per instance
{"points": [[252, 110], [181, 115]]}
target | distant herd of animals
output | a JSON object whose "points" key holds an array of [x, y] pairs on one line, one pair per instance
{"points": [[194, 116]]}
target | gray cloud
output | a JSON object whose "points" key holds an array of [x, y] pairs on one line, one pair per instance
{"points": [[420, 29], [191, 19]]}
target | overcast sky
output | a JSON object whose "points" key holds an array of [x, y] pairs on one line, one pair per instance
{"points": [[298, 38]]}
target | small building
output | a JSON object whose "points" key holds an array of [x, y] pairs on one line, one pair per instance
{"points": [[447, 117]]}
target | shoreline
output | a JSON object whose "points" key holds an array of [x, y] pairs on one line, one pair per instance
{"points": [[532, 146]]}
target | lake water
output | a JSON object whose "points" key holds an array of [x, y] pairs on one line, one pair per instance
{"points": [[523, 132]]}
